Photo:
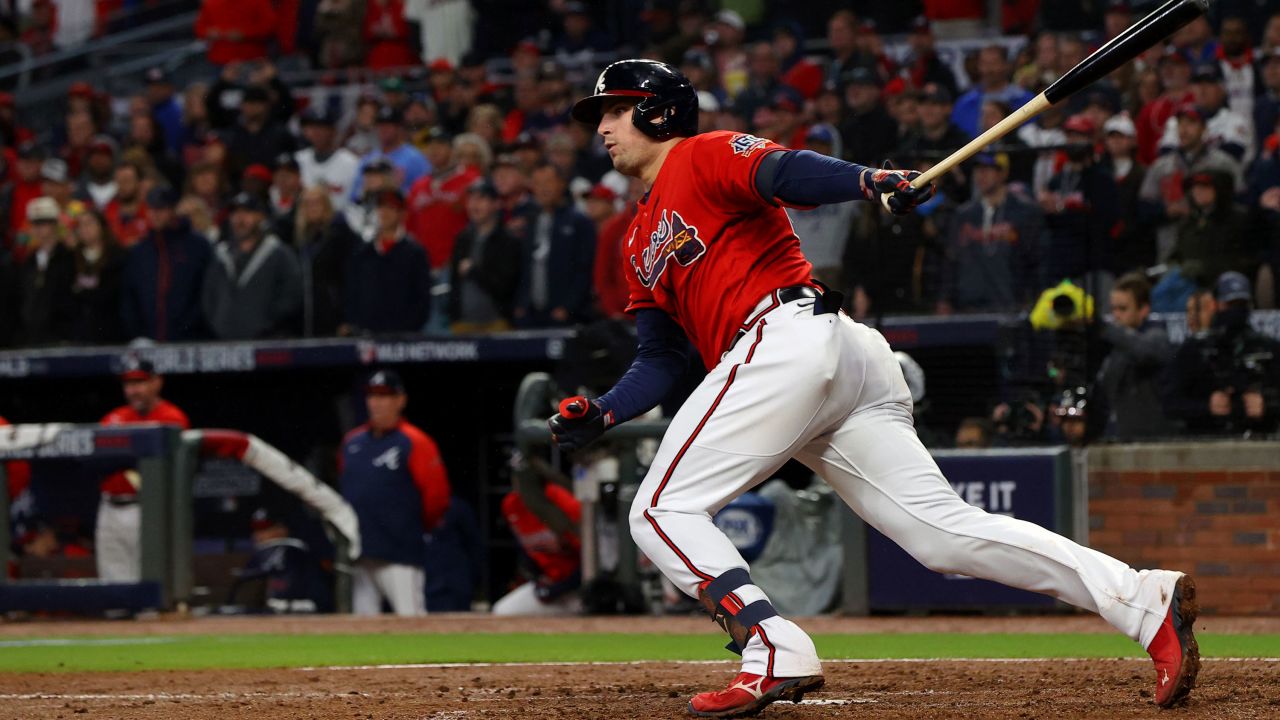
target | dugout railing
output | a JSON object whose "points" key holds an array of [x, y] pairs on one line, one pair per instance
{"points": [[166, 459]]}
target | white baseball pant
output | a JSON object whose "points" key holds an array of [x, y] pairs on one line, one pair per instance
{"points": [[117, 544], [524, 601], [828, 391], [402, 586]]}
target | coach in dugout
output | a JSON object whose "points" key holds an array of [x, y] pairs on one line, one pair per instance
{"points": [[392, 474], [117, 548]]}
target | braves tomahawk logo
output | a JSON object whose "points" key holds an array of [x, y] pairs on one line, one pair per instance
{"points": [[673, 238]]}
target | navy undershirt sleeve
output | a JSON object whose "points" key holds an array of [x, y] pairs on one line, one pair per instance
{"points": [[661, 358], [804, 177]]}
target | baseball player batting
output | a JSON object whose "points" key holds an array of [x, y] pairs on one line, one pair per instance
{"points": [[713, 262]]}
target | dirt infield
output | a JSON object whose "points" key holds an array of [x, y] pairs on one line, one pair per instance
{"points": [[921, 690]]}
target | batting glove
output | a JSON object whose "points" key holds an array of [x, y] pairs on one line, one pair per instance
{"points": [[579, 422], [893, 189]]}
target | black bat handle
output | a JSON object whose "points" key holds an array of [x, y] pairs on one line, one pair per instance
{"points": [[1148, 31]]}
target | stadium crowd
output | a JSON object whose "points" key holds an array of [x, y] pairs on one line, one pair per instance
{"points": [[454, 194]]}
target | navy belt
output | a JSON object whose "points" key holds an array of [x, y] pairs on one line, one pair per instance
{"points": [[791, 294]]}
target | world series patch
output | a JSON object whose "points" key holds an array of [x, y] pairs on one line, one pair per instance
{"points": [[744, 144]]}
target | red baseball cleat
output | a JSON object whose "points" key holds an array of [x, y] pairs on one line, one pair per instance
{"points": [[1174, 648], [748, 694]]}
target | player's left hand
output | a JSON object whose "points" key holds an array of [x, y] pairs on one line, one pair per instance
{"points": [[579, 422], [894, 191]]}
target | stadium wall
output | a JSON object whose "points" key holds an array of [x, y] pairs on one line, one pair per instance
{"points": [[1212, 509]]}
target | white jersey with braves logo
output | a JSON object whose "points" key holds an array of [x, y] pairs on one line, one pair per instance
{"points": [[337, 173]]}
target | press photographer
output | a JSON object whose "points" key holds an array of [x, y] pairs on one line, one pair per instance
{"points": [[1227, 381]]}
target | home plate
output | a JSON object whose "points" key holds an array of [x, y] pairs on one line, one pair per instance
{"points": [[836, 701]]}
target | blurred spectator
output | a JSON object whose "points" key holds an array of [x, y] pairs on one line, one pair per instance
{"points": [[1162, 197], [117, 538], [145, 144], [286, 185], [1128, 385], [95, 292], [1201, 307], [868, 133], [81, 131], [55, 182], [935, 138], [1237, 65], [98, 185], [437, 202], [325, 163], [388, 278], [165, 108], [1132, 242], [126, 213], [992, 84], [846, 53], [724, 37], [1227, 380], [362, 216], [390, 38], [798, 72], [207, 183], [824, 230], [923, 65], [555, 97], [253, 285], [1175, 81], [325, 244], [339, 26], [195, 122], [578, 36], [1071, 417], [1266, 108], [1226, 129], [993, 247], [236, 30], [1079, 204], [1215, 236], [409, 162], [1047, 133], [780, 120], [696, 65], [257, 136], [1196, 41], [558, 250], [973, 433], [764, 81], [195, 211], [163, 275], [484, 267], [27, 186], [610, 274], [392, 474], [42, 21], [446, 27], [46, 308]]}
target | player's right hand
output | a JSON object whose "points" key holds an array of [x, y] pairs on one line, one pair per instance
{"points": [[894, 190], [579, 422]]}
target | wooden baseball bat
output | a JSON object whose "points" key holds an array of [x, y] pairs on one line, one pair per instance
{"points": [[1160, 24]]}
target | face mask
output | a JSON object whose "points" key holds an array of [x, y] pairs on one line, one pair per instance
{"points": [[1232, 318]]}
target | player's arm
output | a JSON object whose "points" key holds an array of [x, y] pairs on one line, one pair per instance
{"points": [[807, 178], [661, 357]]}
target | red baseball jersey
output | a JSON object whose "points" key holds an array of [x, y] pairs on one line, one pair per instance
{"points": [[163, 412], [705, 246]]}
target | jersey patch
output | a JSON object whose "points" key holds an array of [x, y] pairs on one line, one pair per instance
{"points": [[673, 238], [744, 145]]}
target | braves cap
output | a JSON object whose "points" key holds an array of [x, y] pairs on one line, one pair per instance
{"points": [[937, 94], [133, 367], [54, 170], [389, 197], [161, 196], [483, 186], [248, 201], [318, 116], [256, 93], [820, 132], [1206, 72], [1233, 286], [262, 519], [43, 209], [1190, 110], [156, 75], [1079, 123], [390, 114], [384, 382], [1121, 124]]}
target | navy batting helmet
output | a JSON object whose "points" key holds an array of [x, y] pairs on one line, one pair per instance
{"points": [[667, 103]]}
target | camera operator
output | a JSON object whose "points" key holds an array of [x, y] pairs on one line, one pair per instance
{"points": [[1227, 381], [1129, 381]]}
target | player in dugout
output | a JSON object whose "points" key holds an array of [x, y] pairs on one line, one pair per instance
{"points": [[116, 537], [392, 474], [713, 262]]}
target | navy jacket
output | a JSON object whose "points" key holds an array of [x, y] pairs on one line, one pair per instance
{"points": [[569, 266], [389, 292], [176, 260]]}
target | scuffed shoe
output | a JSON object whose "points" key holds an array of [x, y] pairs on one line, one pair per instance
{"points": [[1174, 649], [748, 694]]}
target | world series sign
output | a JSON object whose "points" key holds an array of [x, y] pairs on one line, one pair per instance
{"points": [[1032, 485]]}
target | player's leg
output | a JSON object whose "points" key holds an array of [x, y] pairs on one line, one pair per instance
{"points": [[877, 464], [366, 599], [116, 545], [404, 587], [524, 601], [753, 410]]}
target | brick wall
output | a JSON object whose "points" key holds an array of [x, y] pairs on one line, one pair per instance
{"points": [[1211, 509]]}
